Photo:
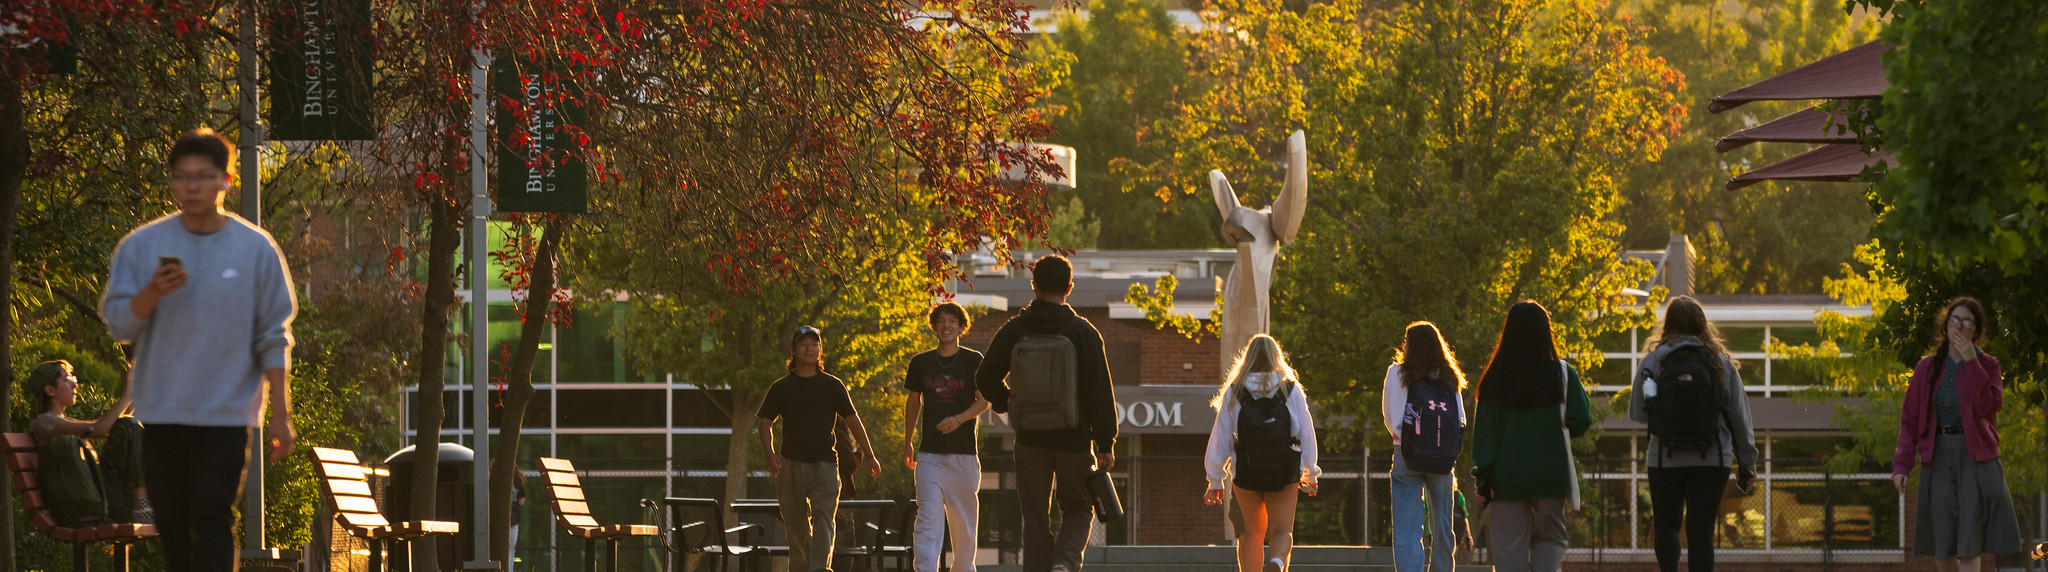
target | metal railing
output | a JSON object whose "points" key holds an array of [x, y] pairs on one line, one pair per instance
{"points": [[1799, 511]]}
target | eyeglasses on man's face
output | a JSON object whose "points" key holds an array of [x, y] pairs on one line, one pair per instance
{"points": [[197, 179]]}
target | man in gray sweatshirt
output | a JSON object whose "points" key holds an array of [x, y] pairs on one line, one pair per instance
{"points": [[206, 298]]}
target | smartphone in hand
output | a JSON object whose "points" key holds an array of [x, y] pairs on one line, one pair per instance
{"points": [[170, 261], [1745, 478]]}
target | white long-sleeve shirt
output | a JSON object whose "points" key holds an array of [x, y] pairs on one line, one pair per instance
{"points": [[1223, 437], [1394, 403]]}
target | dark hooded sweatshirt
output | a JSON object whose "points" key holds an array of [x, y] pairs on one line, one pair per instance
{"points": [[1098, 397]]}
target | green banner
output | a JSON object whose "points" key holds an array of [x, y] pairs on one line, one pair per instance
{"points": [[62, 57], [539, 164], [320, 82]]}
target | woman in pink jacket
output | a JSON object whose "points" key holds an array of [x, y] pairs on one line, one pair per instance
{"points": [[1950, 423]]}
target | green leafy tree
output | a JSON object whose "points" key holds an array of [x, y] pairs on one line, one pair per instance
{"points": [[1772, 238], [1863, 357], [1960, 214], [1124, 74], [1463, 155], [684, 323], [1964, 114]]}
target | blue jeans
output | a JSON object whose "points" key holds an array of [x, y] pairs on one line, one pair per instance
{"points": [[1410, 489]]}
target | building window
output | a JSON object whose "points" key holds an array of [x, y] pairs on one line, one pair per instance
{"points": [[1123, 362]]}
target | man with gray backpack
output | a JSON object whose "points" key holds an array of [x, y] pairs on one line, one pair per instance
{"points": [[1046, 369]]}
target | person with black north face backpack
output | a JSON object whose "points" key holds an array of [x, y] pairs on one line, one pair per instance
{"points": [[1263, 443], [115, 492], [1689, 393], [1423, 407], [1045, 368]]}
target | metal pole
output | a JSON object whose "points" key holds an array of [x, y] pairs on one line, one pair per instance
{"points": [[1827, 538], [254, 545], [479, 316]]}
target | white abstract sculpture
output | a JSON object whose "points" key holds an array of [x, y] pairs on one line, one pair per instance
{"points": [[1258, 234]]}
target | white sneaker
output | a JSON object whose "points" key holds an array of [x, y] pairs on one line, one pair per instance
{"points": [[1275, 565]]}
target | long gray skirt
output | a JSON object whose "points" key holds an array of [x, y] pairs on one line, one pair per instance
{"points": [[1965, 508]]}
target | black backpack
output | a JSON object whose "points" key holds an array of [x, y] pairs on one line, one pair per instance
{"points": [[1044, 383], [1432, 441], [1686, 413], [1268, 455], [69, 474]]}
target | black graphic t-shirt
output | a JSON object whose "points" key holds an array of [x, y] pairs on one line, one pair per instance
{"points": [[947, 385], [808, 407]]}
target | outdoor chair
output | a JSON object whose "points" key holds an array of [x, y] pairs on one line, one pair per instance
{"points": [[699, 529], [895, 544], [355, 508], [20, 450], [573, 512]]}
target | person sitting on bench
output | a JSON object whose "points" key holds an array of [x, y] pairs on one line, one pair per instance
{"points": [[54, 387]]}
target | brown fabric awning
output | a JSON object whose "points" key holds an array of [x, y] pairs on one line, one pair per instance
{"points": [[1808, 125], [1857, 73], [1839, 163]]}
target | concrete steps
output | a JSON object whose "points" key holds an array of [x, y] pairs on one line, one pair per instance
{"points": [[1224, 558]]}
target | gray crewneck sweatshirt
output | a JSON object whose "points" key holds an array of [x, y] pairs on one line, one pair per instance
{"points": [[200, 357], [1738, 441]]}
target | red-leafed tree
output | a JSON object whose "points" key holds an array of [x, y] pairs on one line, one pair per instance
{"points": [[760, 141], [751, 142]]}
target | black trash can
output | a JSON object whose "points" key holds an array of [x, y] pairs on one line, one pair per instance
{"points": [[453, 500]]}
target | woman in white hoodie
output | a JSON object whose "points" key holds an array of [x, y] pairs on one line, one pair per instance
{"points": [[1423, 400], [1264, 444]]}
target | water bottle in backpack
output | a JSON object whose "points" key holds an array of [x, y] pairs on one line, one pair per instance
{"points": [[1686, 409]]}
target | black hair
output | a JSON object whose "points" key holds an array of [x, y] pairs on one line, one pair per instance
{"points": [[1941, 322], [1523, 371], [789, 364], [945, 308], [1052, 275], [1425, 356], [44, 375], [205, 142]]}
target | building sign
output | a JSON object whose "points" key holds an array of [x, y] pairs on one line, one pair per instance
{"points": [[1148, 410], [320, 71], [538, 166]]}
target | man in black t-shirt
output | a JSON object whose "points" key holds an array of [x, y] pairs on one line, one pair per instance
{"points": [[942, 394], [809, 401]]}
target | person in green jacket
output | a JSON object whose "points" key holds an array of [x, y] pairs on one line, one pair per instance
{"points": [[1531, 405]]}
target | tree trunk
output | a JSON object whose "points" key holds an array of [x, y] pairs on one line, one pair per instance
{"points": [[442, 239], [519, 391], [13, 167], [744, 403]]}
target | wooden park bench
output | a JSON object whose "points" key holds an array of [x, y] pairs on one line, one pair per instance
{"points": [[572, 510], [20, 450], [355, 508]]}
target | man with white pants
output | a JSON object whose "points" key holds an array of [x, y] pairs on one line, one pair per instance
{"points": [[941, 392]]}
